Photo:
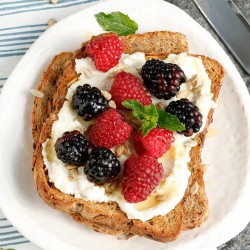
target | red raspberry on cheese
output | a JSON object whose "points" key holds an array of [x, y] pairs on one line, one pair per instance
{"points": [[126, 86], [155, 143], [105, 51], [140, 177], [109, 130]]}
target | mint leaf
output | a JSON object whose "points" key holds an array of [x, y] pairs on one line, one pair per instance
{"points": [[117, 22], [150, 113], [142, 112], [153, 117], [147, 126], [169, 121], [137, 107]]}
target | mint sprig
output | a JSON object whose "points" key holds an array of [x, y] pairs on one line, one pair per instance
{"points": [[169, 121], [117, 22], [153, 117]]}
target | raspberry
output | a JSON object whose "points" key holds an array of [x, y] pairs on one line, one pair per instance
{"points": [[155, 143], [126, 86], [72, 148], [162, 79], [188, 114], [140, 177], [88, 102], [110, 129], [105, 51], [102, 166]]}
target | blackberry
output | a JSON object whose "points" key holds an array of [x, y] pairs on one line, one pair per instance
{"points": [[162, 79], [102, 166], [72, 148], [188, 114], [88, 102]]}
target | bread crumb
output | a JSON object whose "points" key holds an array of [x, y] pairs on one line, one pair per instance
{"points": [[194, 188], [160, 105], [73, 174], [51, 21], [37, 93], [131, 236], [205, 167], [54, 1], [69, 167], [119, 238], [126, 150], [193, 80], [161, 197], [106, 95], [120, 150], [100, 218], [212, 132], [112, 104], [72, 81], [87, 73], [110, 187]]}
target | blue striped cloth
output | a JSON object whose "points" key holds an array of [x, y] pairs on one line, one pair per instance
{"points": [[21, 23]]}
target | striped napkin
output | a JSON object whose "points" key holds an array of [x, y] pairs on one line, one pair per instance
{"points": [[21, 23]]}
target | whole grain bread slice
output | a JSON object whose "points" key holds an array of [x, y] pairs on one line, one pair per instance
{"points": [[107, 217]]}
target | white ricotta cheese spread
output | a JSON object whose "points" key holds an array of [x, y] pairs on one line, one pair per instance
{"points": [[175, 161]]}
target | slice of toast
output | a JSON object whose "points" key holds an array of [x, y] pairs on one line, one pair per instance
{"points": [[107, 217]]}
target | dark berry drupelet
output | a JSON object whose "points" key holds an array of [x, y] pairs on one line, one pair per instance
{"points": [[188, 114], [162, 79], [89, 102], [72, 148], [102, 166]]}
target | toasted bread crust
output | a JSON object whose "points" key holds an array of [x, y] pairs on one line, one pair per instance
{"points": [[159, 43], [57, 71], [107, 217]]}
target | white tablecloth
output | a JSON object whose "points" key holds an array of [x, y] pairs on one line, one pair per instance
{"points": [[21, 23]]}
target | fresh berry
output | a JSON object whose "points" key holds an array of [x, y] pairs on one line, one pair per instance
{"points": [[72, 148], [102, 166], [88, 102], [126, 86], [162, 79], [105, 51], [109, 130], [188, 114], [155, 143], [140, 177]]}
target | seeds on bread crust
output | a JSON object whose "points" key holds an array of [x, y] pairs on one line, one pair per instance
{"points": [[194, 188], [72, 81], [37, 93]]}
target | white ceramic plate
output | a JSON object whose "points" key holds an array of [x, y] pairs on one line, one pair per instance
{"points": [[227, 154]]}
